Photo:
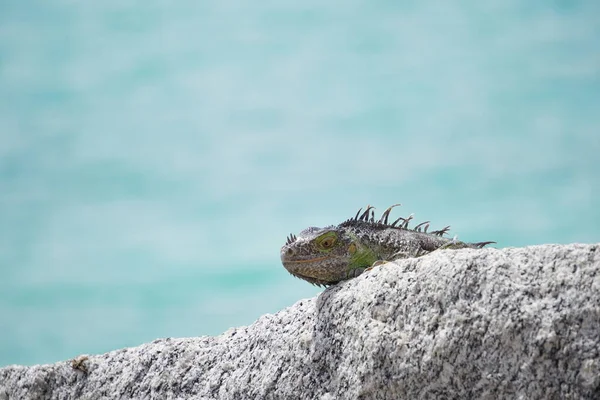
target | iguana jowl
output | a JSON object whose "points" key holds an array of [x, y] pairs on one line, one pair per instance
{"points": [[325, 256]]}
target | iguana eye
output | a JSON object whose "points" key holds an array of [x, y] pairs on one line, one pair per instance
{"points": [[327, 243]]}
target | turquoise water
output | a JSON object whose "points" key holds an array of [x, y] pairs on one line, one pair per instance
{"points": [[154, 157]]}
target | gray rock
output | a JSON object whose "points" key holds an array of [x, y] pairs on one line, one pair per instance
{"points": [[518, 323]]}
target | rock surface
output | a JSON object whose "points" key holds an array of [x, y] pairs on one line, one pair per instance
{"points": [[512, 323]]}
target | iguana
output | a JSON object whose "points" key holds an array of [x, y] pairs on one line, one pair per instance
{"points": [[326, 256]]}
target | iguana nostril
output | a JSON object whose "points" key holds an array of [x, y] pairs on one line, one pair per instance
{"points": [[290, 252]]}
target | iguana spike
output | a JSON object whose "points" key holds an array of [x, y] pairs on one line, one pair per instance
{"points": [[365, 215], [406, 221], [442, 231], [418, 227], [425, 228], [372, 216], [357, 213], [480, 245], [291, 239], [393, 224], [386, 214]]}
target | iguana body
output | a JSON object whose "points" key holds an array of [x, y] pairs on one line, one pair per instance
{"points": [[325, 256]]}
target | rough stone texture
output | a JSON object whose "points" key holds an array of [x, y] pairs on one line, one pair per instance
{"points": [[519, 323]]}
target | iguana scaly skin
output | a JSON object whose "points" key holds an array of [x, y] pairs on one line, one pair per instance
{"points": [[325, 256]]}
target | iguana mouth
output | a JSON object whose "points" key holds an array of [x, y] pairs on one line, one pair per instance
{"points": [[314, 281]]}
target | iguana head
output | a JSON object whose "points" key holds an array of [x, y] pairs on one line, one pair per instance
{"points": [[324, 256]]}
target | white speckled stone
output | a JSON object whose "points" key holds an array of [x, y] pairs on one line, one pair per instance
{"points": [[519, 323]]}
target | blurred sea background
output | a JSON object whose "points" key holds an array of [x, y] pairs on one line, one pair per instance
{"points": [[154, 156]]}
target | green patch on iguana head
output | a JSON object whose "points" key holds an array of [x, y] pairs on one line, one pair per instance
{"points": [[361, 256]]}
